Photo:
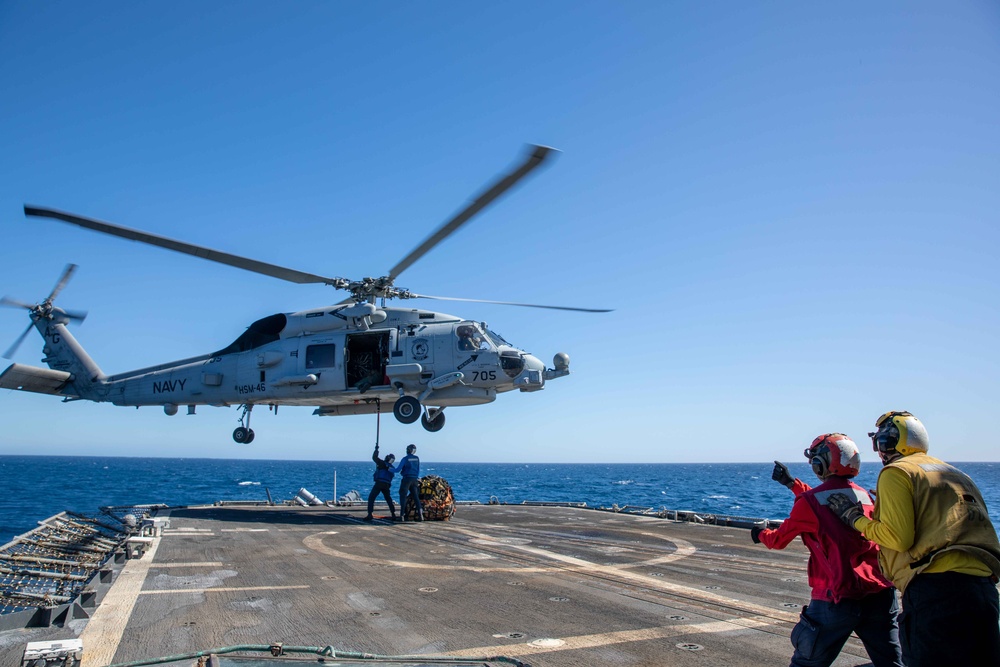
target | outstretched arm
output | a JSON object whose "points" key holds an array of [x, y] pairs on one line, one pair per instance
{"points": [[800, 520]]}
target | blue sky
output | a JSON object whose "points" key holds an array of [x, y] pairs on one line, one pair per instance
{"points": [[791, 207]]}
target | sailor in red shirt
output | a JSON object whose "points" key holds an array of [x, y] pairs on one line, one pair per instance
{"points": [[849, 593]]}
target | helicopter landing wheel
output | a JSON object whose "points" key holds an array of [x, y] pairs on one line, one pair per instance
{"points": [[406, 409], [243, 435], [433, 425]]}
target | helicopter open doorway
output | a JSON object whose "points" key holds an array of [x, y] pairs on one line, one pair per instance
{"points": [[365, 358]]}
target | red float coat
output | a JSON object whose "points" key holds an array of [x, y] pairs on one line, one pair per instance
{"points": [[842, 563]]}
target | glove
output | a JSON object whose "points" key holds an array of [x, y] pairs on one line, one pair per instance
{"points": [[781, 475], [755, 534], [848, 510]]}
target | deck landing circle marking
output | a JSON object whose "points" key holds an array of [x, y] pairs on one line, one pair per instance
{"points": [[315, 542], [494, 541], [683, 549], [473, 556]]}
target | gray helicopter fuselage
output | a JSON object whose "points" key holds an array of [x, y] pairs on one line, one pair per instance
{"points": [[340, 365]]}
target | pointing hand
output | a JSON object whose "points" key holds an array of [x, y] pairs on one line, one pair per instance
{"points": [[848, 510], [781, 475]]}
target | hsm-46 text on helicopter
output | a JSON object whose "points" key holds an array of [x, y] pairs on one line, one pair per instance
{"points": [[344, 359]]}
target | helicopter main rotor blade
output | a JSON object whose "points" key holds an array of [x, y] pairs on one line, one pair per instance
{"points": [[14, 303], [510, 303], [67, 274], [17, 343], [273, 270], [533, 160]]}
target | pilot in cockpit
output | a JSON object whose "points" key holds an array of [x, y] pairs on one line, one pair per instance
{"points": [[468, 337]]}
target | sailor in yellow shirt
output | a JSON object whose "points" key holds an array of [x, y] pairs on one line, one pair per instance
{"points": [[937, 546]]}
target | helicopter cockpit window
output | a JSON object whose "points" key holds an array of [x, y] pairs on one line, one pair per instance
{"points": [[470, 337], [321, 356], [497, 339]]}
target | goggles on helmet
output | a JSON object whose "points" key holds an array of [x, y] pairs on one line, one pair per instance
{"points": [[889, 415], [886, 437]]}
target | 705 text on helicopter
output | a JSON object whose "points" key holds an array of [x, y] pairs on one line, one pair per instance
{"points": [[344, 359]]}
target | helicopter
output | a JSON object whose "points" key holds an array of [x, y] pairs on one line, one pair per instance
{"points": [[344, 359]]}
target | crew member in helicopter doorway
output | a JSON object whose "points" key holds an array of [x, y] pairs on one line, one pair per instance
{"points": [[409, 485], [383, 483]]}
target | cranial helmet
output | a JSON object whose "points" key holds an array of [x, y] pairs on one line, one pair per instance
{"points": [[390, 458], [899, 431], [834, 454], [410, 449]]}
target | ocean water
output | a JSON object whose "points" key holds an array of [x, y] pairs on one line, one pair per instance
{"points": [[37, 487]]}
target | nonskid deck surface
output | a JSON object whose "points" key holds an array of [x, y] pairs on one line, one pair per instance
{"points": [[545, 585]]}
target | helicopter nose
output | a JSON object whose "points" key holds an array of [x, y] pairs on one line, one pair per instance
{"points": [[532, 378], [531, 362]]}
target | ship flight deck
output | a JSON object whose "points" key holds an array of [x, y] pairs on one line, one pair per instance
{"points": [[544, 585]]}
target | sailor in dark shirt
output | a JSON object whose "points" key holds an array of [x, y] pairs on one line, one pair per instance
{"points": [[383, 481], [409, 468]]}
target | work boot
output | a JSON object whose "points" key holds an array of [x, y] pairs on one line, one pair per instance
{"points": [[369, 518]]}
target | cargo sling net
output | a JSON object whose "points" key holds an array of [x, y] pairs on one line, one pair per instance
{"points": [[436, 499]]}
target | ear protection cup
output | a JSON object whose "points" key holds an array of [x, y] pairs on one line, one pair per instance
{"points": [[833, 454], [818, 466]]}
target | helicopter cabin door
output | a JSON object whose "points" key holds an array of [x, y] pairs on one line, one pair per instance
{"points": [[323, 357], [365, 357]]}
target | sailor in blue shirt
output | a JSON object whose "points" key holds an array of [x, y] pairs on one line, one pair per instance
{"points": [[383, 483], [409, 469]]}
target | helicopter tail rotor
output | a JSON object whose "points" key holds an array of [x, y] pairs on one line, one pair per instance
{"points": [[44, 309]]}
